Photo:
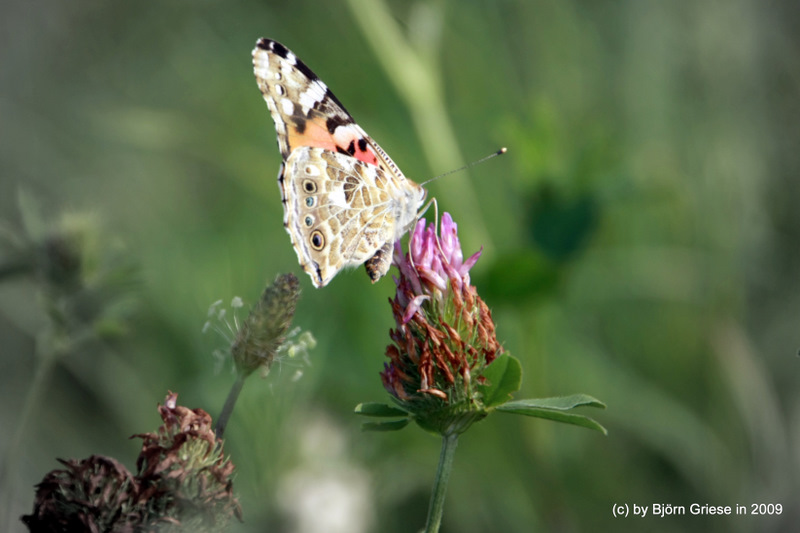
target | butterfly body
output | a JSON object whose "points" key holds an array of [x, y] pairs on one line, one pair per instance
{"points": [[345, 201]]}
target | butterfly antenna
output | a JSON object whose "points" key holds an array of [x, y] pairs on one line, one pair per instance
{"points": [[501, 151]]}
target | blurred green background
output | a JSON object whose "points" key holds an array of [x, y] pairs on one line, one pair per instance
{"points": [[640, 245]]}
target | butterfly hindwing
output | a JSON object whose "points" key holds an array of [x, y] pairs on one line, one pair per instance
{"points": [[337, 213]]}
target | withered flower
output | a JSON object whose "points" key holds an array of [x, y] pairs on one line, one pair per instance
{"points": [[95, 494], [184, 483], [183, 471]]}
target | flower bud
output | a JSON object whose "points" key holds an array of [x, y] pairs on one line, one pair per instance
{"points": [[264, 330]]}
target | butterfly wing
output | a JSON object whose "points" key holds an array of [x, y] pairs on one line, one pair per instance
{"points": [[306, 112], [339, 211], [362, 201]]}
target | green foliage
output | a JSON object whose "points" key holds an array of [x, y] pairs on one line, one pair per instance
{"points": [[559, 226], [504, 377], [553, 409], [657, 138], [397, 418], [379, 410], [385, 425], [525, 274]]}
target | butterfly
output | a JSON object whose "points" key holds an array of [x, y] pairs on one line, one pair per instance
{"points": [[345, 202]]}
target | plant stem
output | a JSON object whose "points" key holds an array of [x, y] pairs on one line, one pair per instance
{"points": [[45, 362], [230, 402], [449, 443]]}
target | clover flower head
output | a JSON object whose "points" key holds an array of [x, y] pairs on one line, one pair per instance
{"points": [[444, 335]]}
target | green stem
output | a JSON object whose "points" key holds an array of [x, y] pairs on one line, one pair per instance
{"points": [[230, 402], [449, 443], [46, 361]]}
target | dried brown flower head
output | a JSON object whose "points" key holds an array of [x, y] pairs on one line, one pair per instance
{"points": [[183, 483]]}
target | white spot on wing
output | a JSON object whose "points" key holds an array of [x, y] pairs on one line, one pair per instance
{"points": [[261, 65], [336, 198], [314, 93], [346, 133], [287, 106]]}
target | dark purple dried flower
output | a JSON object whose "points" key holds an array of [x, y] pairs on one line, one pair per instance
{"points": [[95, 494]]}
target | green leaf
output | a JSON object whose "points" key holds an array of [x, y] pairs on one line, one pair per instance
{"points": [[558, 416], [386, 425], [379, 409], [504, 376], [553, 409], [562, 403]]}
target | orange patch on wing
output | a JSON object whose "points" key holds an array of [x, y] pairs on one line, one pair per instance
{"points": [[316, 135]]}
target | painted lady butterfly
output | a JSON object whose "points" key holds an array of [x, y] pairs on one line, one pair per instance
{"points": [[345, 202]]}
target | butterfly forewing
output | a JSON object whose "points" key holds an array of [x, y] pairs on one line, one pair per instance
{"points": [[345, 201]]}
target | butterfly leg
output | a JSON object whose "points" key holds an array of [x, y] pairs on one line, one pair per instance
{"points": [[431, 202], [378, 265]]}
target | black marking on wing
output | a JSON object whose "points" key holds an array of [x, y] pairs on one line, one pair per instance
{"points": [[332, 96], [329, 106], [335, 121], [268, 44], [307, 72], [282, 51]]}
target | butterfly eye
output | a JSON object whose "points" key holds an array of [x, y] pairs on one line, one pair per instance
{"points": [[317, 240], [309, 221], [309, 186], [310, 201]]}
